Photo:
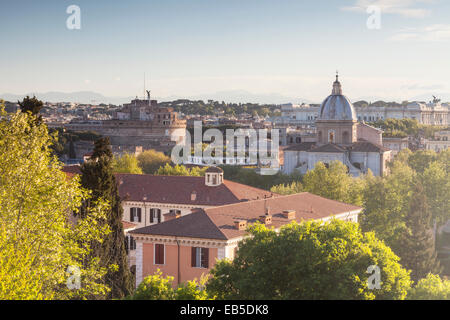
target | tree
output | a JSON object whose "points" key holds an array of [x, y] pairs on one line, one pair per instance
{"points": [[334, 183], [436, 183], [386, 201], [180, 170], [39, 238], [126, 163], [157, 287], [151, 160], [102, 147], [293, 188], [311, 260], [417, 245], [97, 176], [33, 106], [430, 288]]}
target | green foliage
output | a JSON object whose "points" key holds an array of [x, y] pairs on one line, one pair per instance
{"points": [[215, 107], [401, 128], [334, 183], [285, 189], [250, 177], [127, 163], [430, 288], [193, 290], [32, 106], [39, 238], [417, 250], [180, 170], [97, 176], [151, 160], [157, 287], [311, 260]]}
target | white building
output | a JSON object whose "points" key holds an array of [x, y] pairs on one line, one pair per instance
{"points": [[432, 113]]}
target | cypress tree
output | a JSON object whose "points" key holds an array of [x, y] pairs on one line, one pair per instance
{"points": [[418, 251], [97, 175]]}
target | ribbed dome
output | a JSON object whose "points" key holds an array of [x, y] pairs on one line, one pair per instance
{"points": [[337, 106]]}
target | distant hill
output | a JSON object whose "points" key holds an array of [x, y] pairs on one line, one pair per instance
{"points": [[79, 96], [233, 96]]}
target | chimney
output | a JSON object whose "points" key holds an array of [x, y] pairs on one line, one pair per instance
{"points": [[289, 214], [240, 224], [266, 219], [193, 196]]}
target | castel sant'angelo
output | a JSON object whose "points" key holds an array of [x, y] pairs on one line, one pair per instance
{"points": [[139, 123]]}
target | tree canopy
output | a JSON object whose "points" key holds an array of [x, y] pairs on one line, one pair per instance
{"points": [[39, 236], [311, 260]]}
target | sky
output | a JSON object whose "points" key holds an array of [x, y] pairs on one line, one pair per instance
{"points": [[199, 47]]}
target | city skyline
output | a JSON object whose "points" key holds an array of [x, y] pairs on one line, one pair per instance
{"points": [[199, 48]]}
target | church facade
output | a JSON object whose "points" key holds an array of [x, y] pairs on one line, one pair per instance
{"points": [[340, 137]]}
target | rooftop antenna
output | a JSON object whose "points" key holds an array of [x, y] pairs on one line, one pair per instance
{"points": [[144, 85]]}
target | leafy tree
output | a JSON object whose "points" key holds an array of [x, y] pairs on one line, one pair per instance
{"points": [[33, 106], [430, 288], [417, 245], [436, 183], [293, 188], [97, 176], [151, 160], [386, 201], [311, 260], [421, 159], [126, 163], [157, 287], [39, 238], [334, 183], [193, 290], [180, 170]]}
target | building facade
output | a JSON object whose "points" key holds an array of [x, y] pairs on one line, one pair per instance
{"points": [[189, 247]]}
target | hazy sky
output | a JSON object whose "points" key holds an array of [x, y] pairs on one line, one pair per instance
{"points": [[192, 47]]}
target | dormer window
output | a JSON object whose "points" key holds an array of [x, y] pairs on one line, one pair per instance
{"points": [[213, 176]]}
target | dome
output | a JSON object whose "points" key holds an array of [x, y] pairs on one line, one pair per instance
{"points": [[337, 106]]}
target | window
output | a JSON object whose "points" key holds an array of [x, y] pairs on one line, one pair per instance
{"points": [[159, 253], [200, 257], [135, 214], [155, 215], [175, 211], [331, 136]]}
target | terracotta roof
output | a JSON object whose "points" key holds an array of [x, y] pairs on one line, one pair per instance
{"points": [[179, 189], [218, 222], [366, 146], [128, 225], [330, 147], [304, 146]]}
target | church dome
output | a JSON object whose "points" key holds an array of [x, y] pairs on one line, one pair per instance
{"points": [[337, 106]]}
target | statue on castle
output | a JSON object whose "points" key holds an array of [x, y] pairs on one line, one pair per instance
{"points": [[436, 100]]}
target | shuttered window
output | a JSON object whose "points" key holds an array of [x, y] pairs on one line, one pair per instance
{"points": [[135, 214], [155, 215], [159, 253], [200, 257]]}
